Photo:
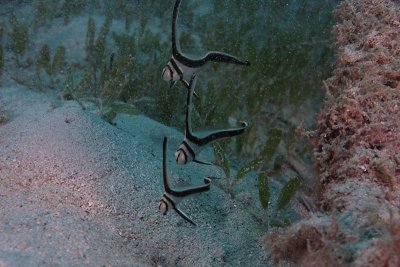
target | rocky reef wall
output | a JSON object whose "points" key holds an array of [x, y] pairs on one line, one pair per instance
{"points": [[357, 149]]}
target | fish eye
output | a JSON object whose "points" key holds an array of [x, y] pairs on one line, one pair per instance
{"points": [[163, 207], [180, 157]]}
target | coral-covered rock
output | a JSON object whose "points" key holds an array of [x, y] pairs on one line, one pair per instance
{"points": [[357, 148]]}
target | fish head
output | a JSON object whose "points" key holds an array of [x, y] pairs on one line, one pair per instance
{"points": [[168, 74], [181, 157], [163, 206]]}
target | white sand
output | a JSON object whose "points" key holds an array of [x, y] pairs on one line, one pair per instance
{"points": [[75, 190]]}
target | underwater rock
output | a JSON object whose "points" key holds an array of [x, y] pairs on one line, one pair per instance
{"points": [[357, 144]]}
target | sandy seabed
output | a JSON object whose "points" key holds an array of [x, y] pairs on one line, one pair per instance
{"points": [[75, 190]]}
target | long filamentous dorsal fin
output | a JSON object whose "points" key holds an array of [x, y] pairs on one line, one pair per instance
{"points": [[212, 136], [175, 42], [222, 134], [188, 124], [167, 186], [197, 63]]}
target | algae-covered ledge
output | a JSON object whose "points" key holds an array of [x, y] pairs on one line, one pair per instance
{"points": [[356, 148]]}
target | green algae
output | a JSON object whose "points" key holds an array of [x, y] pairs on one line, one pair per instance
{"points": [[19, 37], [263, 159], [288, 191], [264, 193], [52, 66]]}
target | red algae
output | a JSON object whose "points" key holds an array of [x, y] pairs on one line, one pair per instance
{"points": [[357, 144]]}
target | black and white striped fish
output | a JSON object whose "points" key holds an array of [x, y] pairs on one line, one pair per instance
{"points": [[192, 144], [172, 197], [181, 68]]}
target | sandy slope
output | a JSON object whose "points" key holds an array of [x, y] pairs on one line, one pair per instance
{"points": [[75, 190]]}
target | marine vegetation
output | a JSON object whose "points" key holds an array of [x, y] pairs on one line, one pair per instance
{"points": [[118, 67], [261, 160], [266, 164], [52, 67], [18, 39]]}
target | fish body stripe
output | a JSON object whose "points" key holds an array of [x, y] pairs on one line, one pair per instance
{"points": [[184, 153], [176, 68], [169, 200], [170, 72], [189, 149], [163, 200]]}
